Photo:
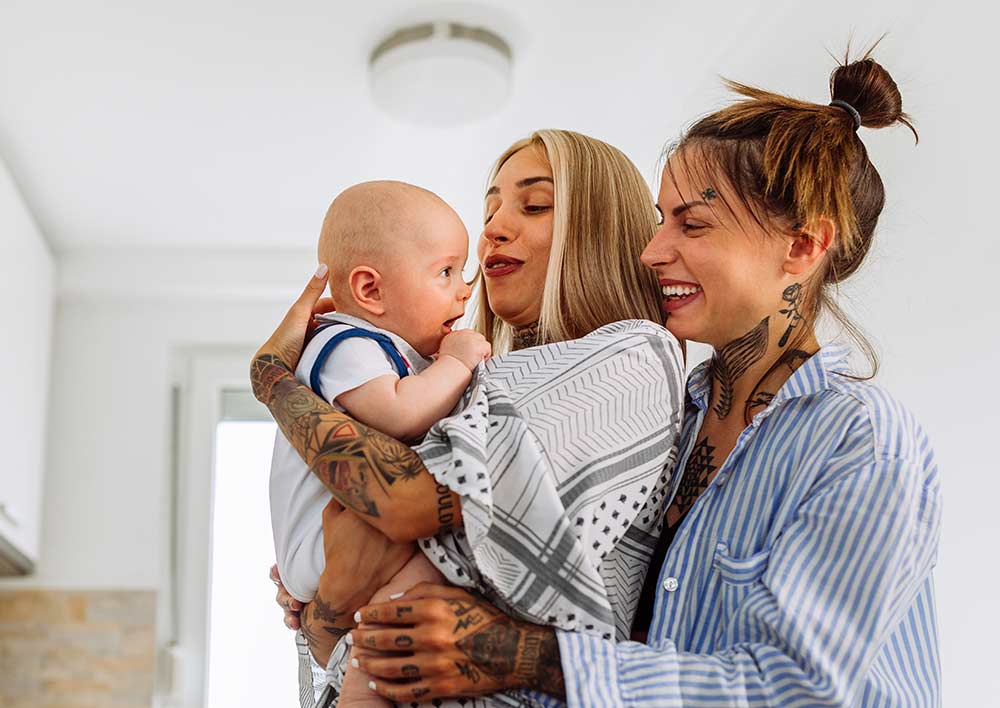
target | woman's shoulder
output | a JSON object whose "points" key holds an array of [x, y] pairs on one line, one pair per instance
{"points": [[639, 329], [630, 335], [871, 412]]}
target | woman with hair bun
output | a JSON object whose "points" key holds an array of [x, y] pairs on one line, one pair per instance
{"points": [[802, 525]]}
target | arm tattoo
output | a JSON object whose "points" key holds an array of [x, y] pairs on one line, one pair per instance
{"points": [[732, 362], [354, 462], [445, 506], [325, 612]]}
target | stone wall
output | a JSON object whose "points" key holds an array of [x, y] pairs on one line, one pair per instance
{"points": [[76, 649]]}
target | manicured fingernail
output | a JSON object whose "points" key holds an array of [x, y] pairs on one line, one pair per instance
{"points": [[321, 271], [371, 685], [355, 664], [357, 616], [349, 639], [397, 595]]}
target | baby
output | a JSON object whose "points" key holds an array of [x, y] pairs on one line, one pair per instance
{"points": [[395, 254]]}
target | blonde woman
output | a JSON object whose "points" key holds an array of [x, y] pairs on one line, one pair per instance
{"points": [[544, 493]]}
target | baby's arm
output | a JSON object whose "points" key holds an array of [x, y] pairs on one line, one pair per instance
{"points": [[405, 408]]}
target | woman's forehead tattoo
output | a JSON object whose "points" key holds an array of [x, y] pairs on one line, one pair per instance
{"points": [[709, 194]]}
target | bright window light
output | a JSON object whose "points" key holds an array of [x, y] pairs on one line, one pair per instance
{"points": [[252, 657]]}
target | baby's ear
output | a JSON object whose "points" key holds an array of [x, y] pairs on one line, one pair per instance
{"points": [[366, 288]]}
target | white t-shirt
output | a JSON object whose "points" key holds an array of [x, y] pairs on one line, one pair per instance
{"points": [[297, 497]]}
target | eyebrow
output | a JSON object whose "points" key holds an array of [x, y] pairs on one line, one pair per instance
{"points": [[678, 210], [526, 182]]}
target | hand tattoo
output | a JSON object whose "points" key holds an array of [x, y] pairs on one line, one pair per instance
{"points": [[515, 654], [468, 671]]}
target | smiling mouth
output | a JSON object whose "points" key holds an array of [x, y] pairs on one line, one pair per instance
{"points": [[679, 292], [677, 295]]}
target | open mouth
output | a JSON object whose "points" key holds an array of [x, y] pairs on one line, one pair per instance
{"points": [[678, 294], [497, 265], [450, 324]]}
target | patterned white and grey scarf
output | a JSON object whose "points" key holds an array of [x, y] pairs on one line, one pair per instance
{"points": [[561, 454]]}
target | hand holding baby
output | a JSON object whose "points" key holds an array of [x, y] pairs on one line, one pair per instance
{"points": [[467, 346]]}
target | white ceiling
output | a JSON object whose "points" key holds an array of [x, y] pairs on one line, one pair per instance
{"points": [[223, 124]]}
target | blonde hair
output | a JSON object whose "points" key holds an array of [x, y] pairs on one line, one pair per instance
{"points": [[603, 217]]}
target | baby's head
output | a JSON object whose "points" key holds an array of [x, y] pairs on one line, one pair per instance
{"points": [[395, 254]]}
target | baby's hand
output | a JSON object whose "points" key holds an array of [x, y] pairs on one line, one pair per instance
{"points": [[467, 346]]}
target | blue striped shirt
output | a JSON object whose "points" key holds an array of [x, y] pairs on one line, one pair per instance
{"points": [[802, 575]]}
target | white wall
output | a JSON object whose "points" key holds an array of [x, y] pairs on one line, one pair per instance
{"points": [[26, 302], [120, 320]]}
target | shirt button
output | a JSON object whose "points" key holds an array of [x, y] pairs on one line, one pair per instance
{"points": [[721, 479], [670, 584]]}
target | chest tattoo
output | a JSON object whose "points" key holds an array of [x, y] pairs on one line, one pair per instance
{"points": [[697, 475]]}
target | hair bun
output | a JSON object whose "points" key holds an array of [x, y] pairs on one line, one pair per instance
{"points": [[870, 89]]}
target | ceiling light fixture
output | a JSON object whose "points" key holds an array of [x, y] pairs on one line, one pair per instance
{"points": [[440, 73]]}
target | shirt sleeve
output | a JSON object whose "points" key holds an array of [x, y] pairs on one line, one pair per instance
{"points": [[845, 570], [352, 363]]}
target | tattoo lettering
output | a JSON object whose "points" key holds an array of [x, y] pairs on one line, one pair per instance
{"points": [[468, 671], [420, 692], [445, 507], [793, 296], [531, 650], [400, 611], [732, 362], [411, 671], [404, 642], [697, 475]]}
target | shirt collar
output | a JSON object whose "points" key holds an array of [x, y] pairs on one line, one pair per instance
{"points": [[812, 377]]}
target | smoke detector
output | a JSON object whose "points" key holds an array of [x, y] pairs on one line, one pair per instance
{"points": [[440, 73]]}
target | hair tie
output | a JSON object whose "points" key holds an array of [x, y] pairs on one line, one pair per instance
{"points": [[850, 109]]}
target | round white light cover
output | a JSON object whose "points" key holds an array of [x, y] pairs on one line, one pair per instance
{"points": [[441, 80]]}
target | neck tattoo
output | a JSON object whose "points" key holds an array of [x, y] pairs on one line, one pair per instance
{"points": [[527, 336], [793, 296], [733, 360]]}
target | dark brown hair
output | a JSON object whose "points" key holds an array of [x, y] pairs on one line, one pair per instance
{"points": [[790, 162]]}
